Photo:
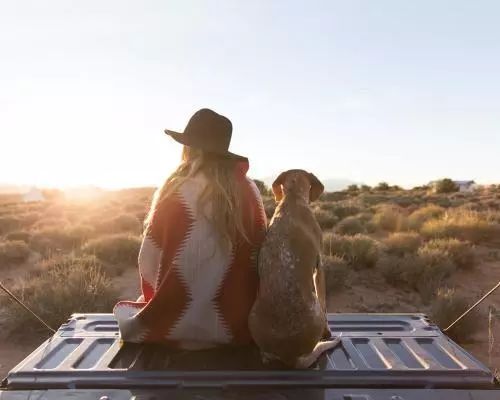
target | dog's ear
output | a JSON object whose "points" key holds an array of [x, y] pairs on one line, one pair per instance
{"points": [[316, 187], [277, 189]]}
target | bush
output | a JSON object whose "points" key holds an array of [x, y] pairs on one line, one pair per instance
{"points": [[401, 243], [390, 218], [462, 224], [14, 252], [345, 209], [405, 270], [446, 186], [119, 224], [19, 235], [447, 307], [263, 189], [326, 220], [350, 226], [117, 248], [382, 186], [8, 223], [359, 250], [56, 294], [50, 239], [461, 253], [437, 267], [269, 207], [336, 273], [422, 215], [72, 260]]}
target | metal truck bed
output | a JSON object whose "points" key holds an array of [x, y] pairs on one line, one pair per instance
{"points": [[381, 356]]}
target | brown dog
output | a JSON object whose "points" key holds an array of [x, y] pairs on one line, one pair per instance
{"points": [[288, 319]]}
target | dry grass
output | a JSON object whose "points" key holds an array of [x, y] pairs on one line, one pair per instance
{"points": [[336, 273], [59, 239], [117, 248], [56, 294], [448, 306], [119, 224], [390, 218], [326, 219], [401, 243], [462, 253], [8, 223], [359, 251], [424, 214], [24, 236], [13, 252], [350, 226], [463, 224]]}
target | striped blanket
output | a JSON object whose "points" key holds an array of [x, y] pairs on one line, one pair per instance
{"points": [[194, 294]]}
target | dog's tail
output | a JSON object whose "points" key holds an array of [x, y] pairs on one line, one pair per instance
{"points": [[309, 359]]}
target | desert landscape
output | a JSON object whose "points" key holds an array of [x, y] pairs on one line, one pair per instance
{"points": [[432, 249]]}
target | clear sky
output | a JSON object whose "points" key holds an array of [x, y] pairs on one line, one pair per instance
{"points": [[393, 90]]}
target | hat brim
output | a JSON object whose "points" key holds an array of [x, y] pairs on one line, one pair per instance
{"points": [[181, 138]]}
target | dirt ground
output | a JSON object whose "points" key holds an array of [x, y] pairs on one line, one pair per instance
{"points": [[366, 292]]}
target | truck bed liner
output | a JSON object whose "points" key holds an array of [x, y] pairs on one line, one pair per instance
{"points": [[377, 350]]}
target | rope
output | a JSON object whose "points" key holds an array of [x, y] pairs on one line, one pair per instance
{"points": [[15, 299], [473, 306]]}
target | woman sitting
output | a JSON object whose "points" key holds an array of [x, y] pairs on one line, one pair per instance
{"points": [[197, 261]]}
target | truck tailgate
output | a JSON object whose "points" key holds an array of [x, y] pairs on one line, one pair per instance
{"points": [[377, 351]]}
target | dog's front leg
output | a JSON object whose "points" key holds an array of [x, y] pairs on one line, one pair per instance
{"points": [[320, 284]]}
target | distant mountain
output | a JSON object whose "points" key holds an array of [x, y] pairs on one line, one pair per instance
{"points": [[331, 184]]}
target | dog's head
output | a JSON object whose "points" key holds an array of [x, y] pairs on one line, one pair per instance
{"points": [[298, 182]]}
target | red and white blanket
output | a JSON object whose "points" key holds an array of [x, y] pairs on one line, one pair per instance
{"points": [[194, 294]]}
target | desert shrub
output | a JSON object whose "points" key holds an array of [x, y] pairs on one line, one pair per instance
{"points": [[73, 260], [345, 209], [390, 218], [462, 224], [447, 307], [120, 223], [365, 188], [438, 266], [51, 239], [8, 223], [422, 215], [359, 250], [27, 219], [326, 219], [336, 273], [13, 252], [353, 188], [401, 243], [116, 248], [19, 235], [56, 294], [399, 271], [333, 196], [461, 253], [350, 226], [445, 185], [51, 222], [269, 207], [382, 186], [263, 189]]}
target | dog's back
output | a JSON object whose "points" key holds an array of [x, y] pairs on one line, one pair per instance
{"points": [[287, 319]]}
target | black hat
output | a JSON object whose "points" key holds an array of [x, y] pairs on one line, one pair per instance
{"points": [[207, 131]]}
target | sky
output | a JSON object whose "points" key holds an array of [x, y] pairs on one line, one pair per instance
{"points": [[387, 90]]}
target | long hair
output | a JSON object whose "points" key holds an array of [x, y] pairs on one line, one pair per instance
{"points": [[220, 201]]}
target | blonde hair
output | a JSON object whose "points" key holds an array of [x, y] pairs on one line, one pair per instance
{"points": [[220, 201]]}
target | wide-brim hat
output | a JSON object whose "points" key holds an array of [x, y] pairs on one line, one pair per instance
{"points": [[207, 131]]}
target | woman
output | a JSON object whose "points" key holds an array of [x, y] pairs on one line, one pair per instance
{"points": [[198, 258]]}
